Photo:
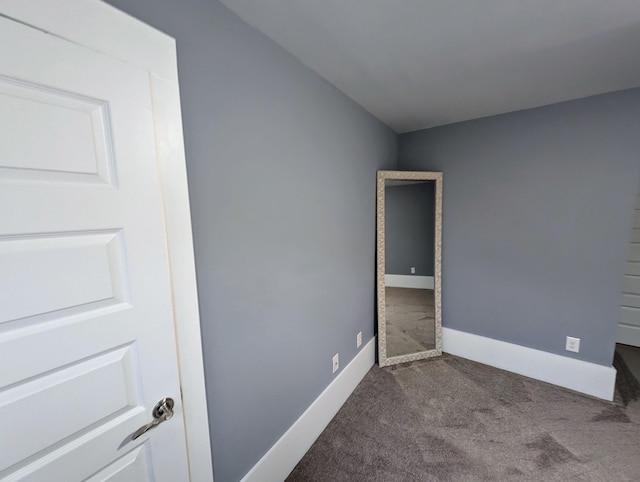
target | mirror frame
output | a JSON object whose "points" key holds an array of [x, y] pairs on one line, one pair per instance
{"points": [[383, 360]]}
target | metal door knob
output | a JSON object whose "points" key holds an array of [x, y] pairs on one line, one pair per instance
{"points": [[161, 412]]}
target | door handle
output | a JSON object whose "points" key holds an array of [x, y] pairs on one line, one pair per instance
{"points": [[161, 412]]}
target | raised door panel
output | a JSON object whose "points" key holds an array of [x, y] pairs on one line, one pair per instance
{"points": [[53, 135], [45, 274]]}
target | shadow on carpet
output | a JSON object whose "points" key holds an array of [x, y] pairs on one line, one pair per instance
{"points": [[450, 419]]}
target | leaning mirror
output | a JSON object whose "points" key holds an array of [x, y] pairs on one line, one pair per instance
{"points": [[409, 246]]}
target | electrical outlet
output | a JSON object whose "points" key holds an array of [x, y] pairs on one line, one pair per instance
{"points": [[573, 344], [413, 270], [358, 339], [336, 362]]}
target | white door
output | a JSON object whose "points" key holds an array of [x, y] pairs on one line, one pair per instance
{"points": [[629, 327], [87, 342]]}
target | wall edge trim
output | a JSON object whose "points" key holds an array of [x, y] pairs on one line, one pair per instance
{"points": [[578, 375], [409, 281], [285, 454]]}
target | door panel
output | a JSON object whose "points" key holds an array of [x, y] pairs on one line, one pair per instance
{"points": [[132, 467], [86, 323], [70, 129], [64, 272], [113, 369]]}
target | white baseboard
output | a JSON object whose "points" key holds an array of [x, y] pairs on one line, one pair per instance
{"points": [[629, 334], [281, 459], [409, 281], [581, 376]]}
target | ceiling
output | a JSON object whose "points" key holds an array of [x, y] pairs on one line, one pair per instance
{"points": [[421, 63]]}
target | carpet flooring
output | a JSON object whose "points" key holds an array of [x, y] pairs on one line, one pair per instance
{"points": [[450, 419], [410, 320]]}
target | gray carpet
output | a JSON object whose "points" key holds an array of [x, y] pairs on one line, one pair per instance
{"points": [[450, 419]]}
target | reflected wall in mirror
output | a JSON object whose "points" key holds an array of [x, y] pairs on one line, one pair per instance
{"points": [[409, 248]]}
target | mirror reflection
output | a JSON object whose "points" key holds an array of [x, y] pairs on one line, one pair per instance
{"points": [[409, 266], [409, 233]]}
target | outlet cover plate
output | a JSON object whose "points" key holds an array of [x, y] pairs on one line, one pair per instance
{"points": [[336, 362], [573, 344]]}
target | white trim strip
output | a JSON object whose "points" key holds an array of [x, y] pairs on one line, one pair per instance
{"points": [[281, 459], [581, 376], [409, 281]]}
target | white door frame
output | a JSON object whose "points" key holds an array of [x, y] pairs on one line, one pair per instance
{"points": [[103, 28]]}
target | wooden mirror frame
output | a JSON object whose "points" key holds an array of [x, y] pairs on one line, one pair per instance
{"points": [[383, 360]]}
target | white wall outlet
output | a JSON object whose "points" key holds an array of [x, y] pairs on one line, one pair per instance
{"points": [[359, 339], [413, 270], [336, 362], [573, 344]]}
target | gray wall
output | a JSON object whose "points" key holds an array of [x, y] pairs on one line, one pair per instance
{"points": [[537, 213], [282, 176], [409, 229]]}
